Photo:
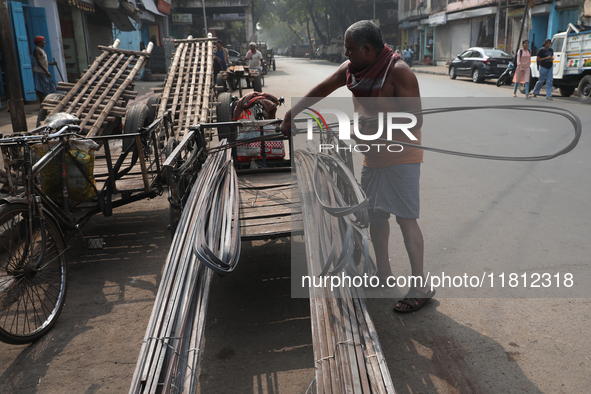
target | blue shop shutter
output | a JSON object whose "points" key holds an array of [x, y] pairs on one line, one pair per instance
{"points": [[2, 92], [38, 27], [21, 43]]}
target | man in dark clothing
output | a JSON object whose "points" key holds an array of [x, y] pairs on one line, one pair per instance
{"points": [[221, 58], [545, 58]]}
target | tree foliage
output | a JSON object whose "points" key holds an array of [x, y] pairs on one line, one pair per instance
{"points": [[319, 19]]}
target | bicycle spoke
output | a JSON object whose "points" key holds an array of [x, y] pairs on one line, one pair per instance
{"points": [[30, 299], [41, 301]]}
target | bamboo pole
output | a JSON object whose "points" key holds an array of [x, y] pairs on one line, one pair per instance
{"points": [[138, 66], [127, 94], [170, 79], [94, 90], [191, 64], [179, 81], [192, 91], [107, 108], [127, 52], [93, 84], [208, 83], [90, 75], [191, 39]]}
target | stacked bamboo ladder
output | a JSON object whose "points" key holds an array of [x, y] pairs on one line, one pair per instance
{"points": [[188, 90], [347, 354], [101, 94]]}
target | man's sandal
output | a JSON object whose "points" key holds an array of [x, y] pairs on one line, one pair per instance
{"points": [[415, 299]]}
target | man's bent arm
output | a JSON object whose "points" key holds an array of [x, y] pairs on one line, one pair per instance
{"points": [[323, 89]]}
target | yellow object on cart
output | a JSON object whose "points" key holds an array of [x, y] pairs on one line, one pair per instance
{"points": [[79, 187]]}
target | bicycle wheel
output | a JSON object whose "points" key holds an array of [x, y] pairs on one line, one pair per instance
{"points": [[31, 299]]}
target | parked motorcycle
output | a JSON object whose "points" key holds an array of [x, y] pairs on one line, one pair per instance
{"points": [[507, 76]]}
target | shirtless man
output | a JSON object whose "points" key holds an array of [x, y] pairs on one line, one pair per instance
{"points": [[390, 181]]}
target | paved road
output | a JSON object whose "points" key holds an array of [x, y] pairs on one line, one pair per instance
{"points": [[476, 215]]}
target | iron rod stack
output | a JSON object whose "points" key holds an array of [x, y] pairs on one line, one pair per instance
{"points": [[347, 353], [169, 358]]}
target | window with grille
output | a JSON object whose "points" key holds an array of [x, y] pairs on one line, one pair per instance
{"points": [[567, 16]]}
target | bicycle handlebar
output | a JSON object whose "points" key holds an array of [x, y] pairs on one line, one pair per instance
{"points": [[30, 138]]}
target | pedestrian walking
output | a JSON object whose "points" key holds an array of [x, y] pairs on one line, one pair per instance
{"points": [[522, 69], [254, 57], [408, 55], [42, 77], [545, 58]]}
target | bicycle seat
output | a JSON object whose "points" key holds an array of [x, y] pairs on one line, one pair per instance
{"points": [[61, 119]]}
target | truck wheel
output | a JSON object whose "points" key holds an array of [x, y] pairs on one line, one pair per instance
{"points": [[233, 82], [42, 112], [153, 107], [566, 91], [219, 81], [585, 90], [135, 119], [225, 113], [257, 84]]}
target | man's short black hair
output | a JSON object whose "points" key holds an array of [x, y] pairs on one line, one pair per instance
{"points": [[220, 41], [366, 32]]}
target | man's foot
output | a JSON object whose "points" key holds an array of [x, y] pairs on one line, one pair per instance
{"points": [[549, 98], [527, 96], [534, 95], [514, 94], [414, 300]]}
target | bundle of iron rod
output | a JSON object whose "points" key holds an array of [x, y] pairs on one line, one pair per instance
{"points": [[169, 358], [347, 352]]}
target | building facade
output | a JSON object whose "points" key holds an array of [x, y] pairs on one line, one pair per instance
{"points": [[439, 30], [74, 29]]}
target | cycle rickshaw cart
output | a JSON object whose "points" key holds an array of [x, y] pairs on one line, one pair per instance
{"points": [[53, 185]]}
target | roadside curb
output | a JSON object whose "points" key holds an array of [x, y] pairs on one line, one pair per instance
{"points": [[423, 71]]}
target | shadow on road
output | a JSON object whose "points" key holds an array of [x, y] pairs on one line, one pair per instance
{"points": [[429, 352], [110, 295]]}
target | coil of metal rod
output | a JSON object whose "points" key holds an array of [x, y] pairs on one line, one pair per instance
{"points": [[556, 111]]}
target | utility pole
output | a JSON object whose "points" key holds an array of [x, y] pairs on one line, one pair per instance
{"points": [[204, 19], [525, 7], [10, 67]]}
